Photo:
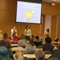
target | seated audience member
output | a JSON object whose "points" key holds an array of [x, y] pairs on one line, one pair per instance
{"points": [[48, 45], [30, 46], [6, 43], [57, 39], [40, 55], [32, 36], [4, 51], [19, 56], [37, 41], [22, 41], [1, 37], [5, 37], [56, 53]]}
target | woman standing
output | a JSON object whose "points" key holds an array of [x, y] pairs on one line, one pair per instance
{"points": [[47, 32], [27, 33], [13, 31]]}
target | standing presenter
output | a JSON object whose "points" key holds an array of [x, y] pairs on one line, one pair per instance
{"points": [[13, 31], [27, 33]]}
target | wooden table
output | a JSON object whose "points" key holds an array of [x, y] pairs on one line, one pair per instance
{"points": [[32, 56]]}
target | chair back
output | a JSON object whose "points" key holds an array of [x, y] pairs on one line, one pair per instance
{"points": [[15, 38]]}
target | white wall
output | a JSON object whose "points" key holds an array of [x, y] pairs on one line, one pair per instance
{"points": [[47, 22]]}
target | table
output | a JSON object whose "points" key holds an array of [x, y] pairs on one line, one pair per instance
{"points": [[56, 42], [32, 56], [18, 49], [22, 49], [14, 44]]}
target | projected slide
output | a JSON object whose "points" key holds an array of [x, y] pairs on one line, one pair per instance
{"points": [[28, 12]]}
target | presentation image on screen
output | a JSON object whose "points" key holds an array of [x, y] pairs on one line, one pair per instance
{"points": [[28, 12]]}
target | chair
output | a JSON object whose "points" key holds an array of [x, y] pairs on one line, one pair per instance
{"points": [[7, 59], [31, 52], [15, 38], [47, 52], [53, 59]]}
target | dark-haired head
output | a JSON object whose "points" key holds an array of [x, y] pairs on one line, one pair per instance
{"points": [[31, 41], [57, 39], [37, 37], [5, 35], [27, 27], [48, 40], [47, 29], [5, 43], [32, 36]]}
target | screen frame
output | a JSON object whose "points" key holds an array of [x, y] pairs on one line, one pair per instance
{"points": [[29, 2]]}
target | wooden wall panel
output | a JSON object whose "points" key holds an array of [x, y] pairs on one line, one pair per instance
{"points": [[53, 27], [48, 9], [7, 19], [58, 34], [43, 23]]}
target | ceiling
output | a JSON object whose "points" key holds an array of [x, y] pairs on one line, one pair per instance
{"points": [[56, 1]]}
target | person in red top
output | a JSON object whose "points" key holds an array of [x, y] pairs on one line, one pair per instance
{"points": [[5, 37]]}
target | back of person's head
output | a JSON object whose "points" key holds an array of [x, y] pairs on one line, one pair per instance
{"points": [[37, 37], [19, 56], [47, 29], [39, 55], [5, 43], [32, 36], [57, 39], [22, 36], [48, 40], [5, 35], [31, 41], [1, 37]]}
